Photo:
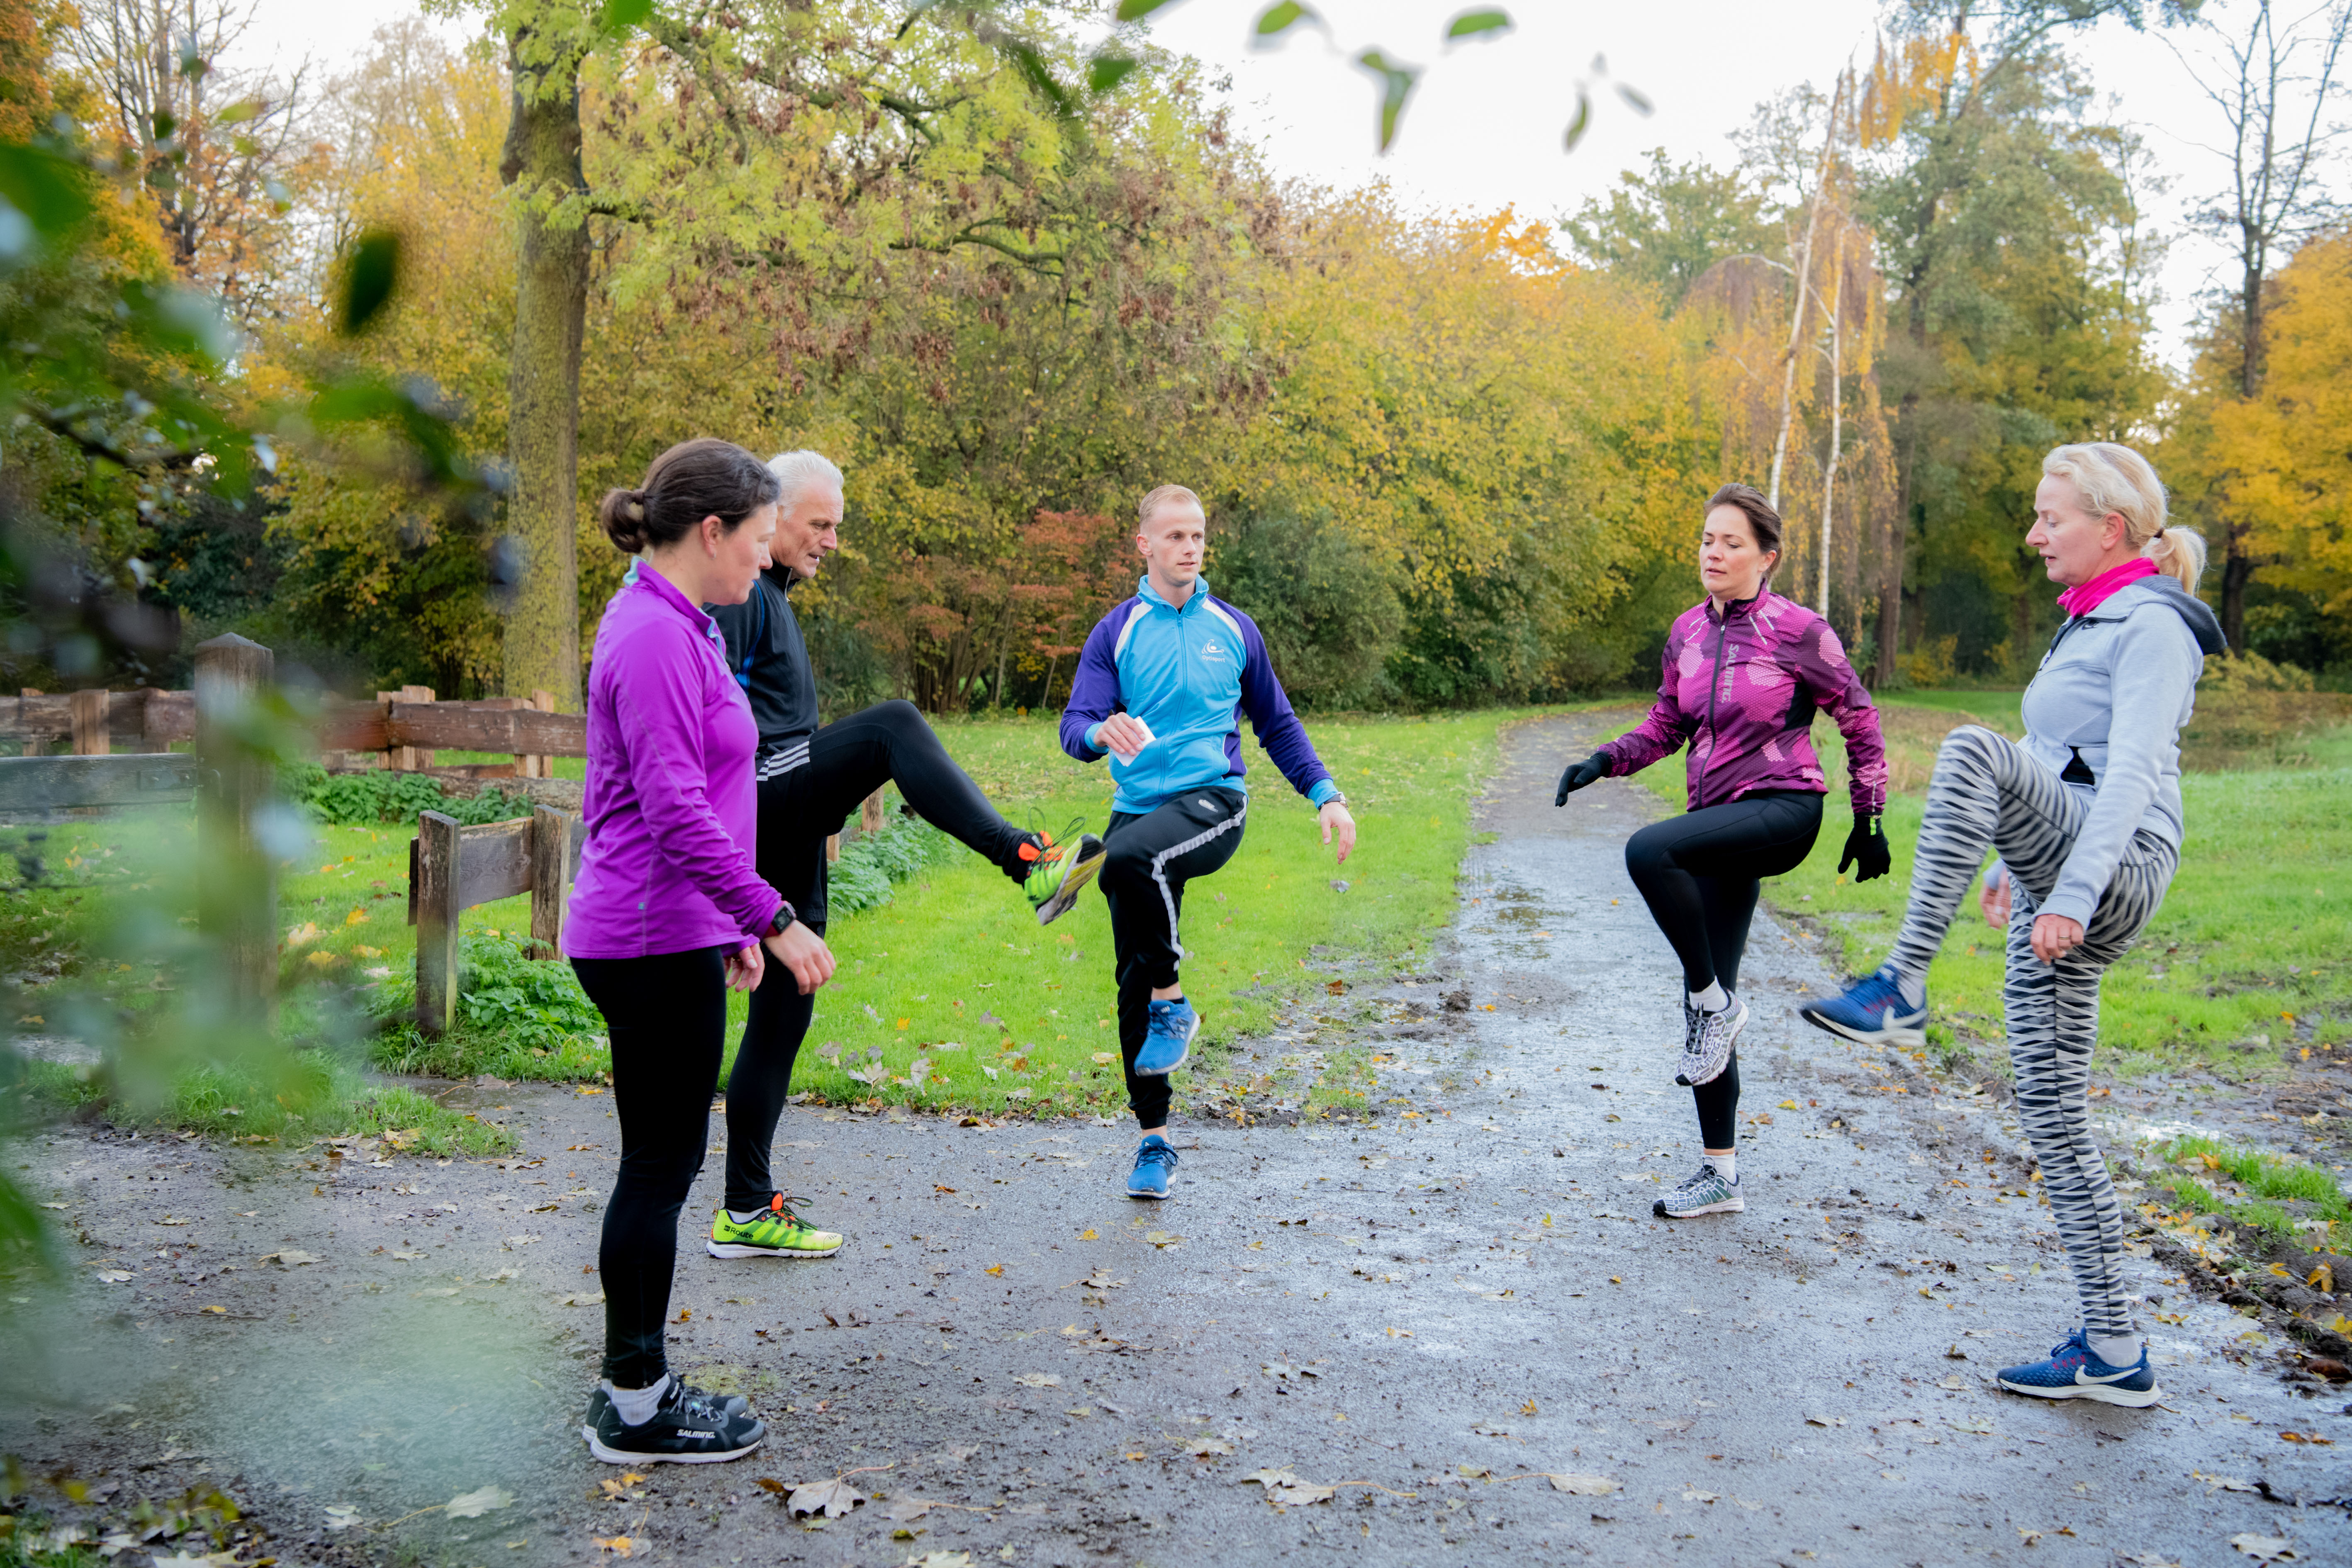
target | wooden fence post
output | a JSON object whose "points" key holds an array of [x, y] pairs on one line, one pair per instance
{"points": [[435, 885], [33, 748], [550, 878], [90, 734], [532, 765], [409, 759], [237, 890]]}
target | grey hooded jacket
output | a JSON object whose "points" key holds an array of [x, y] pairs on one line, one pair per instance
{"points": [[2114, 690]]}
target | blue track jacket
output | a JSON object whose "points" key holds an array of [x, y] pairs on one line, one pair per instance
{"points": [[1189, 675]]}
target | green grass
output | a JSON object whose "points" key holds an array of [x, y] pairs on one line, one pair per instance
{"points": [[2243, 962], [954, 972]]}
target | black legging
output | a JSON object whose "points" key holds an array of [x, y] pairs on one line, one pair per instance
{"points": [[1700, 874], [666, 1017], [1148, 858], [848, 760]]}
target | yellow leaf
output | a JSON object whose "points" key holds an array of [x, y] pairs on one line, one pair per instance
{"points": [[356, 918], [1087, 1236], [1529, 1408], [996, 1269], [1787, 1105]]}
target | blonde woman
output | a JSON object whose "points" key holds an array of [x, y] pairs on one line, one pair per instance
{"points": [[2085, 816]]}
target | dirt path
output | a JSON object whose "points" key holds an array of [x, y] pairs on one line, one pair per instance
{"points": [[1469, 1289]]}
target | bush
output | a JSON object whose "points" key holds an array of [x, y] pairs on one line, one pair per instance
{"points": [[345, 800], [861, 878]]}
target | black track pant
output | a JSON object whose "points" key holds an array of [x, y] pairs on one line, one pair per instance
{"points": [[666, 1016], [848, 760], [1700, 874], [1147, 861]]}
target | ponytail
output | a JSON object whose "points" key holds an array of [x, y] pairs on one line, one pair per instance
{"points": [[2179, 552], [692, 480]]}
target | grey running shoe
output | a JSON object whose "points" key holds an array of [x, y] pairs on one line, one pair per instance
{"points": [[1707, 1049], [1705, 1192]]}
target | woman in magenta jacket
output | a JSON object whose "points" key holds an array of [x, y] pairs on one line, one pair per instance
{"points": [[667, 911], [1745, 671]]}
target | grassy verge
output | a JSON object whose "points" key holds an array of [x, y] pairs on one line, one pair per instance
{"points": [[948, 994], [2242, 968]]}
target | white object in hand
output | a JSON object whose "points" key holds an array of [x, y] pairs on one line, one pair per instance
{"points": [[1147, 736]]}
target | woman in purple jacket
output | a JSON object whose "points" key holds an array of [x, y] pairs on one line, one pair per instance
{"points": [[667, 911], [1746, 670]]}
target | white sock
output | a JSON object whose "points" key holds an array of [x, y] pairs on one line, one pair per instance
{"points": [[1726, 1165], [2123, 1351], [635, 1406], [745, 1217], [1911, 988], [1711, 1000]]}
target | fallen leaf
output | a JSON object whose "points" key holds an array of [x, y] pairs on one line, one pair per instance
{"points": [[1824, 1420], [995, 1268], [341, 1516], [770, 1484], [1699, 1497], [2147, 1560], [1203, 1447], [941, 1560], [618, 1545], [1089, 1235], [1582, 1485], [2265, 1548], [115, 1275], [1529, 1408], [832, 1497], [902, 1510], [1952, 1382], [1981, 1426], [474, 1504], [1038, 1380], [1282, 1487]]}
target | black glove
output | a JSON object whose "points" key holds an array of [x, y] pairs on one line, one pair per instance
{"points": [[1865, 849], [1590, 770]]}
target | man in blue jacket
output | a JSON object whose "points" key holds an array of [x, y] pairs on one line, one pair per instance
{"points": [[1160, 689]]}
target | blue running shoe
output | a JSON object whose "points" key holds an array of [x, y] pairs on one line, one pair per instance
{"points": [[2075, 1372], [1153, 1161], [1167, 1039], [1873, 1012]]}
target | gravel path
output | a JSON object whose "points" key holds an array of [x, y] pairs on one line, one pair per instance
{"points": [[1434, 1314]]}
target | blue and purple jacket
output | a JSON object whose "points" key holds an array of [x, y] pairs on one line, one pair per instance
{"points": [[1189, 674]]}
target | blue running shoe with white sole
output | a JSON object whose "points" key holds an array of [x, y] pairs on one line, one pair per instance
{"points": [[1153, 1160], [1872, 1013], [1167, 1039], [2075, 1372]]}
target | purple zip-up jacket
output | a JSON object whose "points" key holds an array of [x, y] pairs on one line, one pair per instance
{"points": [[1742, 688], [672, 810]]}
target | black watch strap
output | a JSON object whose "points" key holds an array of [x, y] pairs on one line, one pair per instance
{"points": [[785, 916]]}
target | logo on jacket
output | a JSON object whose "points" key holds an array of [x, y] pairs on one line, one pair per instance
{"points": [[1214, 652]]}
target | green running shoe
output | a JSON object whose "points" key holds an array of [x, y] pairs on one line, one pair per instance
{"points": [[776, 1232], [1059, 873]]}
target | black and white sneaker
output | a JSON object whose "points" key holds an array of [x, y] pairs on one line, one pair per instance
{"points": [[689, 1427], [732, 1403], [1706, 1047], [1703, 1192]]}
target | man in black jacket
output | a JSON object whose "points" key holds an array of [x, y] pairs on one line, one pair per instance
{"points": [[812, 777]]}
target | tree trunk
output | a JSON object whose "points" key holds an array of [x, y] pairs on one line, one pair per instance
{"points": [[2237, 571], [1898, 532], [542, 162], [1837, 414]]}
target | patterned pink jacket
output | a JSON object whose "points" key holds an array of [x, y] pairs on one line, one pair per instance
{"points": [[1742, 688]]}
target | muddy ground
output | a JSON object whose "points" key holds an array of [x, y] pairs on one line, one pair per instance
{"points": [[1432, 1314]]}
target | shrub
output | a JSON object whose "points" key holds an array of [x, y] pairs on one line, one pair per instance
{"points": [[346, 799]]}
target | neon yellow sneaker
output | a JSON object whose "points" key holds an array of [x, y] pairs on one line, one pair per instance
{"points": [[776, 1232], [1060, 872]]}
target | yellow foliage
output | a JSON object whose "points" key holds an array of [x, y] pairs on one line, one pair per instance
{"points": [[2284, 450]]}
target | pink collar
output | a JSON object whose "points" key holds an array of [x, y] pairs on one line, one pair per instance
{"points": [[2081, 599]]}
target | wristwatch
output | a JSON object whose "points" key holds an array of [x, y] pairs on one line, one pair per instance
{"points": [[1337, 797], [785, 916]]}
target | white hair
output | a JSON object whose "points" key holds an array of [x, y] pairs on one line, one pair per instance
{"points": [[799, 473], [2111, 477]]}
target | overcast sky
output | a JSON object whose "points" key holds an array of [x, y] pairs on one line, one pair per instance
{"points": [[1485, 128]]}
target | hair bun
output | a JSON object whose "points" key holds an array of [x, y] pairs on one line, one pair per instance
{"points": [[636, 510]]}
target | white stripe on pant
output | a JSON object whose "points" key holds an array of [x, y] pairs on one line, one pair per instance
{"points": [[1987, 792]]}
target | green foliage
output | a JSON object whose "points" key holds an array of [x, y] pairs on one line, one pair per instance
{"points": [[347, 799], [861, 879]]}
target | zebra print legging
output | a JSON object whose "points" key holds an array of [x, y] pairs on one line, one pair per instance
{"points": [[1987, 792]]}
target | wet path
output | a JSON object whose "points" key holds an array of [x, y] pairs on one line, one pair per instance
{"points": [[1470, 1289]]}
